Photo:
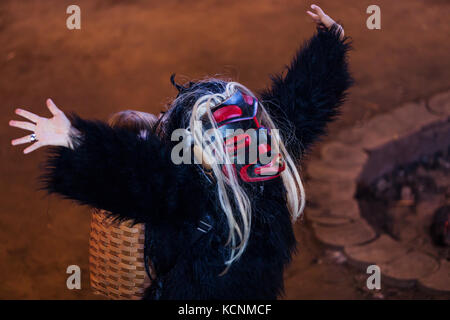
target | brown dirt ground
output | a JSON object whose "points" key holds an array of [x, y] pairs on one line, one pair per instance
{"points": [[123, 57]]}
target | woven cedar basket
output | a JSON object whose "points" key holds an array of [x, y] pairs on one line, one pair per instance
{"points": [[116, 258]]}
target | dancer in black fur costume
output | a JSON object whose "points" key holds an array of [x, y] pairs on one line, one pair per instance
{"points": [[217, 231]]}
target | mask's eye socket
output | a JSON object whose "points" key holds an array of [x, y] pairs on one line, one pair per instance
{"points": [[226, 113]]}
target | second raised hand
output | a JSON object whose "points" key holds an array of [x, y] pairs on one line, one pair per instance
{"points": [[322, 19], [45, 131]]}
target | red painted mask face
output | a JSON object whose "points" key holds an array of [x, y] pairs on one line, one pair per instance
{"points": [[247, 142]]}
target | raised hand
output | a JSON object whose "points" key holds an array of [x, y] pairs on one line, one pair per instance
{"points": [[322, 19], [45, 131]]}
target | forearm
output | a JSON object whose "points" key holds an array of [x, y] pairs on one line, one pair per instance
{"points": [[110, 169], [313, 89]]}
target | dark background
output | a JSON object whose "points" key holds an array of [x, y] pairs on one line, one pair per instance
{"points": [[123, 57]]}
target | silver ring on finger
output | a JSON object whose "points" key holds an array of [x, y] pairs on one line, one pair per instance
{"points": [[33, 138]]}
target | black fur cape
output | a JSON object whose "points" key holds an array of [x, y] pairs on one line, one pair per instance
{"points": [[135, 178]]}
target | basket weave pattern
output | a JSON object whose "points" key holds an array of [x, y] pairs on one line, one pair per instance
{"points": [[116, 258]]}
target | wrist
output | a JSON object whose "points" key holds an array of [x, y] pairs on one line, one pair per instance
{"points": [[73, 136], [337, 29]]}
